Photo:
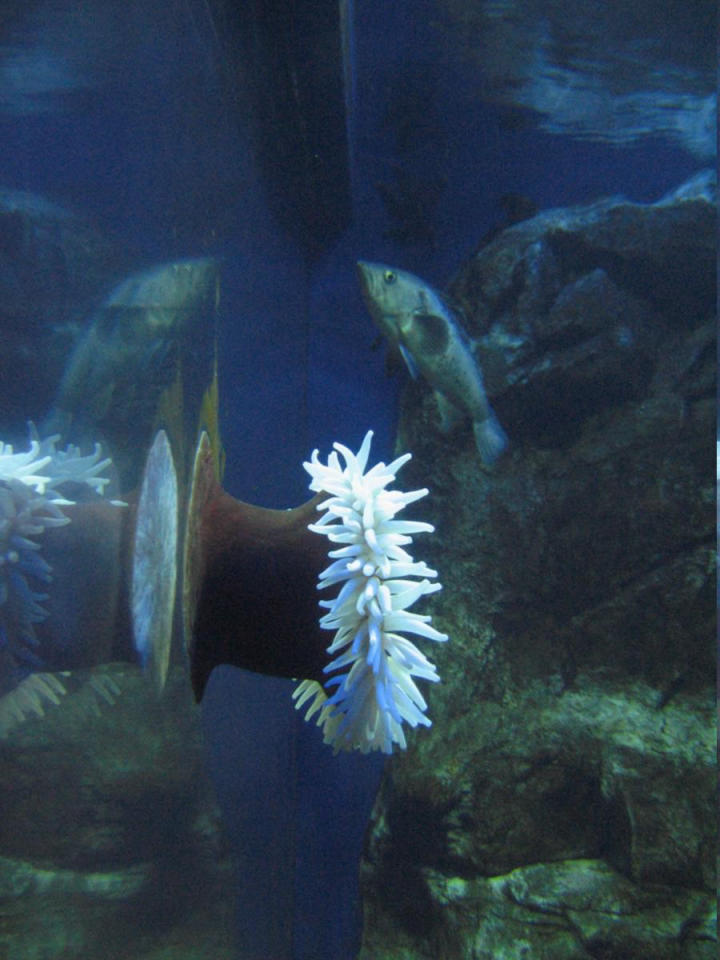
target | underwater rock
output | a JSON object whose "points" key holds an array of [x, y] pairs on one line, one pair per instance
{"points": [[563, 803], [571, 308], [110, 836], [564, 904]]}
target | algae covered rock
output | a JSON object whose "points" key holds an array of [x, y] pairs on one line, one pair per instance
{"points": [[110, 836], [562, 805]]}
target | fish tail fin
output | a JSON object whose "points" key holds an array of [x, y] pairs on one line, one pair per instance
{"points": [[490, 438]]}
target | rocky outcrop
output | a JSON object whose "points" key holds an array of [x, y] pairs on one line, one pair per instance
{"points": [[110, 836], [562, 804]]}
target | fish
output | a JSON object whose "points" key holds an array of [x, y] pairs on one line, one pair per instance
{"points": [[430, 337], [141, 321], [128, 354]]}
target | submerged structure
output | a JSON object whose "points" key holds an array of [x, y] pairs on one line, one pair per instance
{"points": [[247, 582]]}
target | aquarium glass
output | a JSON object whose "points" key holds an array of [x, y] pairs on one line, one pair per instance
{"points": [[481, 232]]}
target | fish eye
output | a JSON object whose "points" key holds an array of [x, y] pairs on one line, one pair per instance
{"points": [[389, 276]]}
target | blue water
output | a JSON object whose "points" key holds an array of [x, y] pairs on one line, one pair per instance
{"points": [[153, 149]]}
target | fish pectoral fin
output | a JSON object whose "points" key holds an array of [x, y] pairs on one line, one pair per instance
{"points": [[490, 438], [450, 415], [409, 361]]}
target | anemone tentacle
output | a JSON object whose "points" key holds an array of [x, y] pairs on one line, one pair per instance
{"points": [[33, 490], [373, 664]]}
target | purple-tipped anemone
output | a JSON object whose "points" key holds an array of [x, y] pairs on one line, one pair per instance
{"points": [[25, 514], [35, 486]]}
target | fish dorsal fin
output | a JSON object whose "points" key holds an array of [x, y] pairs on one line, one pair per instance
{"points": [[452, 306], [458, 313]]}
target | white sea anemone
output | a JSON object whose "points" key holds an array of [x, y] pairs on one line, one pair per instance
{"points": [[373, 664], [34, 486], [45, 468]]}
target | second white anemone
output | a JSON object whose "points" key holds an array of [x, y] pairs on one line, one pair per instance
{"points": [[373, 664]]}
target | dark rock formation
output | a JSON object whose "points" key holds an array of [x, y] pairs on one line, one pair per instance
{"points": [[562, 804], [109, 833]]}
